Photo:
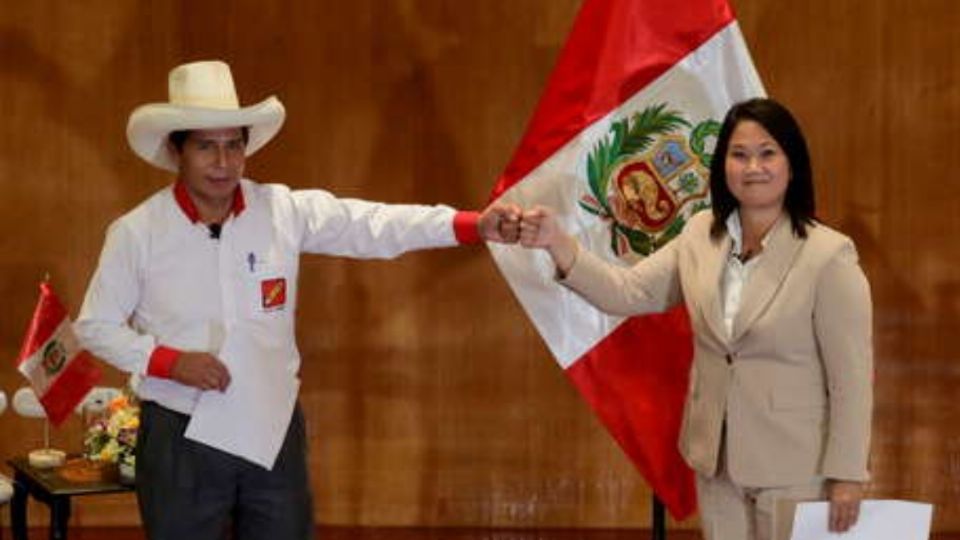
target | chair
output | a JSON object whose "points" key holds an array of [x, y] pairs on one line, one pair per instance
{"points": [[26, 403], [98, 399], [6, 485]]}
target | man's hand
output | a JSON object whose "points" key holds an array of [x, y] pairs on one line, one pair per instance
{"points": [[500, 222], [844, 497], [200, 370]]}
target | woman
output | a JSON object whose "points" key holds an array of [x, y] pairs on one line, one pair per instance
{"points": [[780, 397]]}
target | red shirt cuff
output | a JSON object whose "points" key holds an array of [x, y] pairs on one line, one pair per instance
{"points": [[161, 362], [466, 227]]}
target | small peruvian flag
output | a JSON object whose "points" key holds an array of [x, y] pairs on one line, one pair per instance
{"points": [[60, 372]]}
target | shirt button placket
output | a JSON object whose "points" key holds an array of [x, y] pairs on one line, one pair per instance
{"points": [[230, 280]]}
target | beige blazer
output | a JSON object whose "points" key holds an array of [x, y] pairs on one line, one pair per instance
{"points": [[794, 380]]}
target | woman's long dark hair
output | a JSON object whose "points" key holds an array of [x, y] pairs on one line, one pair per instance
{"points": [[781, 125]]}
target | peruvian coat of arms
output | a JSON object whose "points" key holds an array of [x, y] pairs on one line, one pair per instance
{"points": [[647, 176]]}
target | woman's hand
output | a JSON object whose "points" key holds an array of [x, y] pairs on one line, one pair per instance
{"points": [[844, 497], [539, 229]]}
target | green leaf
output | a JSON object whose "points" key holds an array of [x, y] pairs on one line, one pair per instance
{"points": [[651, 121], [614, 234], [593, 173], [671, 232], [698, 140], [688, 182], [639, 240], [590, 209]]}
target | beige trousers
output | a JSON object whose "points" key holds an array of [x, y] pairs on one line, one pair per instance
{"points": [[732, 512]]}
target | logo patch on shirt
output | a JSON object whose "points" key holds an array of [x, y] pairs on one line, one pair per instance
{"points": [[273, 293]]}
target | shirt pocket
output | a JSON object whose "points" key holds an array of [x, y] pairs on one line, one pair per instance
{"points": [[267, 290]]}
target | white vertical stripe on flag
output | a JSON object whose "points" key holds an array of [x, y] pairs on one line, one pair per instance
{"points": [[33, 367]]}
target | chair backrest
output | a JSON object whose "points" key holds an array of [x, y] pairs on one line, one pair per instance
{"points": [[6, 489], [25, 403], [98, 399]]}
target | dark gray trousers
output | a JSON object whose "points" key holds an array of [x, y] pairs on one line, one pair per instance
{"points": [[187, 490]]}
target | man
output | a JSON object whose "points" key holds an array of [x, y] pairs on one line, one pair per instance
{"points": [[195, 296]]}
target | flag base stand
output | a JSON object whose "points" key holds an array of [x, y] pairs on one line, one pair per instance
{"points": [[46, 458], [659, 529]]}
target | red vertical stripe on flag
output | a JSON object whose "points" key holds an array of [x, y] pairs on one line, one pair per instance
{"points": [[616, 48], [70, 387], [635, 380], [47, 316]]}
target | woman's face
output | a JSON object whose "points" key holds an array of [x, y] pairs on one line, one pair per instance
{"points": [[757, 168]]}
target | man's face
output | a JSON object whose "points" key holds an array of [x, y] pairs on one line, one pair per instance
{"points": [[211, 164]]}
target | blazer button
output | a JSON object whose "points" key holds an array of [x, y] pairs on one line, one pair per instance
{"points": [[729, 358]]}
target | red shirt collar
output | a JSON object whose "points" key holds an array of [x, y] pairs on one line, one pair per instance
{"points": [[186, 203]]}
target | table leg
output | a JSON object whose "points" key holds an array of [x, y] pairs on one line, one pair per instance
{"points": [[18, 508], [59, 517]]}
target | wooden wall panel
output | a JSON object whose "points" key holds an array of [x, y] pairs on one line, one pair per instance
{"points": [[877, 87], [430, 399]]}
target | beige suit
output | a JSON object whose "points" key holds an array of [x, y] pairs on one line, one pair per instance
{"points": [[793, 382]]}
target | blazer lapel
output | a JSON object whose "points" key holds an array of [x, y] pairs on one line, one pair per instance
{"points": [[772, 268], [710, 280]]}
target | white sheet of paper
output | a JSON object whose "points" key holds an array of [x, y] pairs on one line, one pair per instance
{"points": [[251, 418], [879, 520]]}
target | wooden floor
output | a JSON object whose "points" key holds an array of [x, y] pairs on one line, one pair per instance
{"points": [[345, 533], [350, 533]]}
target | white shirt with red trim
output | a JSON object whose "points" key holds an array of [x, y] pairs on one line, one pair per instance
{"points": [[164, 285]]}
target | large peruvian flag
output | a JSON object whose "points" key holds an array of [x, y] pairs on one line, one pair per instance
{"points": [[60, 372], [620, 147]]}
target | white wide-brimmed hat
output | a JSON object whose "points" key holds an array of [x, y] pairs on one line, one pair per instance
{"points": [[202, 96]]}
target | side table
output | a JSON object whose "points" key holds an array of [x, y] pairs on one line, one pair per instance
{"points": [[52, 489]]}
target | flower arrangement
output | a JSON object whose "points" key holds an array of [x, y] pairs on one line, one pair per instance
{"points": [[112, 438]]}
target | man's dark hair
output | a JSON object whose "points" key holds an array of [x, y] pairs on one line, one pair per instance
{"points": [[177, 138], [780, 124]]}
